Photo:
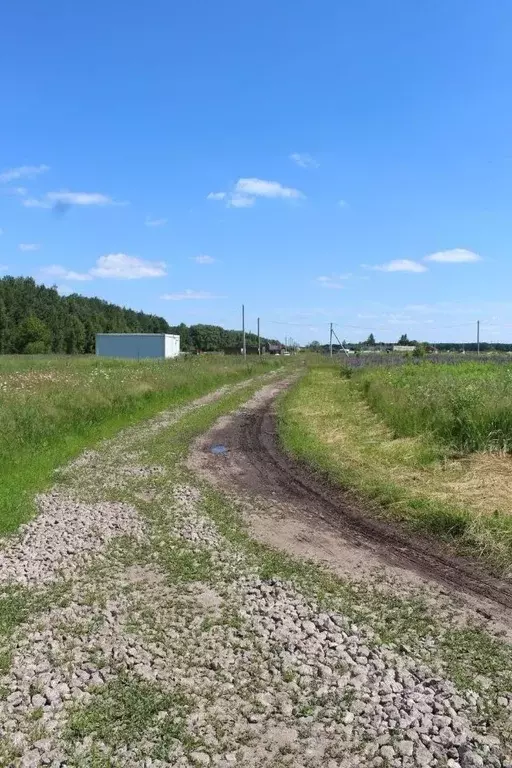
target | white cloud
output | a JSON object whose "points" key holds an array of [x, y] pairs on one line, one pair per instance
{"points": [[241, 201], [29, 246], [79, 198], [62, 273], [204, 259], [303, 160], [22, 172], [32, 202], [342, 204], [150, 222], [398, 265], [246, 191], [65, 198], [333, 281], [189, 294], [455, 256], [118, 266], [260, 188], [123, 267]]}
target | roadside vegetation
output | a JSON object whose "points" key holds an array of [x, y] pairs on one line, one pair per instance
{"points": [[466, 407], [429, 443], [54, 407]]}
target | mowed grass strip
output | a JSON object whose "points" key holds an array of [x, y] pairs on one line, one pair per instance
{"points": [[51, 408], [326, 422]]}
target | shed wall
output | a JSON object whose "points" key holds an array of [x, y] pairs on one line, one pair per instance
{"points": [[132, 346]]}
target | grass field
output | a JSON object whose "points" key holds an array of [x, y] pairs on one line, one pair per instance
{"points": [[429, 443], [51, 408]]}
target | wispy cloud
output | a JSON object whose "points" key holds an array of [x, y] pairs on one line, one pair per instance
{"points": [[1, 231], [454, 256], [22, 172], [33, 202], [342, 204], [20, 191], [65, 199], [189, 294], [117, 266], [216, 196], [398, 265], [204, 259], [54, 270], [29, 246], [333, 281], [150, 222], [3, 268], [303, 160], [246, 191]]}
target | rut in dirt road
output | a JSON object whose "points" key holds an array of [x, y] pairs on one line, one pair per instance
{"points": [[255, 461]]}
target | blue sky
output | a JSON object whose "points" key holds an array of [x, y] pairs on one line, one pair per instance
{"points": [[319, 161]]}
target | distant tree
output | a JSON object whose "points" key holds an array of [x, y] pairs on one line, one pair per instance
{"points": [[370, 341], [403, 341], [33, 331], [315, 346], [4, 328], [420, 350], [35, 348], [75, 337]]}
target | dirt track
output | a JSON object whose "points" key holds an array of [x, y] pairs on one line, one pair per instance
{"points": [[295, 510]]}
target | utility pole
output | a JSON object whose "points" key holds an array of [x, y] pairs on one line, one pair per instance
{"points": [[259, 339], [478, 337], [244, 348], [330, 341]]}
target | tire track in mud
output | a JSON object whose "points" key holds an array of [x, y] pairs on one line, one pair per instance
{"points": [[254, 463]]}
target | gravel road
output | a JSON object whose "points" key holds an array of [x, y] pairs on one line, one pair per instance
{"points": [[171, 646]]}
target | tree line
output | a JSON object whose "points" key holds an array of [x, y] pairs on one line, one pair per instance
{"points": [[424, 346], [36, 319]]}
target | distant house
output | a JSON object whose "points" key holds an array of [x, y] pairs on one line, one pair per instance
{"points": [[274, 349], [251, 349], [403, 348]]}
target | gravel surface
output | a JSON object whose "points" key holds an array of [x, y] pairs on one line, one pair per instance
{"points": [[283, 684], [220, 667], [64, 535]]}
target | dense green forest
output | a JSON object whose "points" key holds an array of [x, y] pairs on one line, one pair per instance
{"points": [[35, 319]]}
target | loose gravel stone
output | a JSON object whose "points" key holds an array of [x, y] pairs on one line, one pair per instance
{"points": [[63, 537]]}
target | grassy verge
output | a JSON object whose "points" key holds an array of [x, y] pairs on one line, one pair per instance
{"points": [[465, 407], [326, 422], [52, 408]]}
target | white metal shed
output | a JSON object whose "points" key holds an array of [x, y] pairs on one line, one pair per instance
{"points": [[137, 346]]}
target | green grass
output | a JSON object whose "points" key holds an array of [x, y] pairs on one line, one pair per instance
{"points": [[123, 711], [53, 408], [466, 407], [326, 421]]}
